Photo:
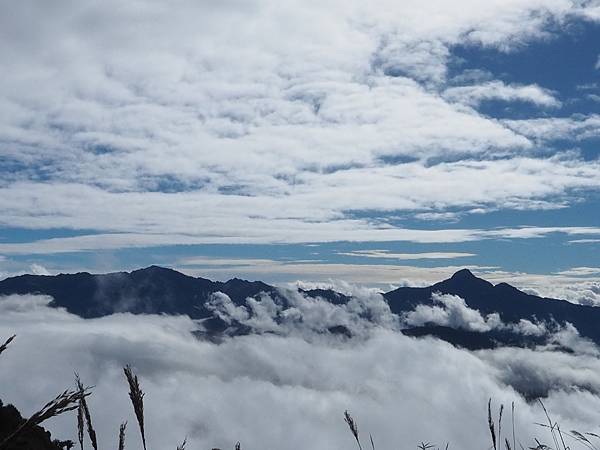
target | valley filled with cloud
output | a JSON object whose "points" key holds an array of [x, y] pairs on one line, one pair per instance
{"points": [[287, 385]]}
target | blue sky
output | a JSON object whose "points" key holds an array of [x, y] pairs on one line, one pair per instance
{"points": [[288, 142]]}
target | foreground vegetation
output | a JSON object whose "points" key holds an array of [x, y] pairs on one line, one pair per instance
{"points": [[19, 437]]}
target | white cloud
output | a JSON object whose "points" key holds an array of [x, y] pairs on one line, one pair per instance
{"points": [[473, 95], [580, 271], [307, 317], [315, 210], [38, 269], [290, 231], [205, 261], [385, 254], [547, 129], [450, 311], [591, 12]]}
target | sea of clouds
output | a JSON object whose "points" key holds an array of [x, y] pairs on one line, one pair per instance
{"points": [[286, 384]]}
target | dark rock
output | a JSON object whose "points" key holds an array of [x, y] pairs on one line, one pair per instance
{"points": [[35, 438]]}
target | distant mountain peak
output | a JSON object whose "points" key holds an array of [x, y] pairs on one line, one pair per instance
{"points": [[154, 268], [463, 274], [159, 272], [464, 283]]}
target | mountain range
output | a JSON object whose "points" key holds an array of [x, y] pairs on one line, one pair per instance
{"points": [[158, 290]]}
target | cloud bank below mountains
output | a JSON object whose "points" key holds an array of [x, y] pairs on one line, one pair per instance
{"points": [[287, 390]]}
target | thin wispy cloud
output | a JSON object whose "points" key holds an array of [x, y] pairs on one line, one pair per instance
{"points": [[385, 254]]}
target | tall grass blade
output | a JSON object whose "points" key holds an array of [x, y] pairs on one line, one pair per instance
{"points": [[500, 424], [491, 424], [6, 343], [80, 424], [137, 400], [353, 427], [122, 429], [83, 406]]}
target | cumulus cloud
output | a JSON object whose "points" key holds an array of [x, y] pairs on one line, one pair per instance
{"points": [[301, 315], [217, 394], [38, 269], [452, 311]]}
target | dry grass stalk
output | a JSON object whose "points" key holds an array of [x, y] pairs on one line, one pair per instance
{"points": [[122, 436], [83, 407], [551, 425], [513, 426], [491, 424], [238, 446], [137, 399], [80, 425], [353, 427], [500, 424], [6, 343], [580, 437], [67, 401], [182, 445]]}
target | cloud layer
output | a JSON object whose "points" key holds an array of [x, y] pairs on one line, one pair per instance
{"points": [[283, 391], [230, 123]]}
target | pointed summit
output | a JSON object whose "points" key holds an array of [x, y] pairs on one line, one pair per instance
{"points": [[463, 283], [463, 274]]}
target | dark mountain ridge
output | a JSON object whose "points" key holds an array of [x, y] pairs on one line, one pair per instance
{"points": [[509, 302], [153, 290], [159, 290]]}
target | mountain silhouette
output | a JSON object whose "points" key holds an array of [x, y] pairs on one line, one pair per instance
{"points": [[153, 290], [158, 290]]}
